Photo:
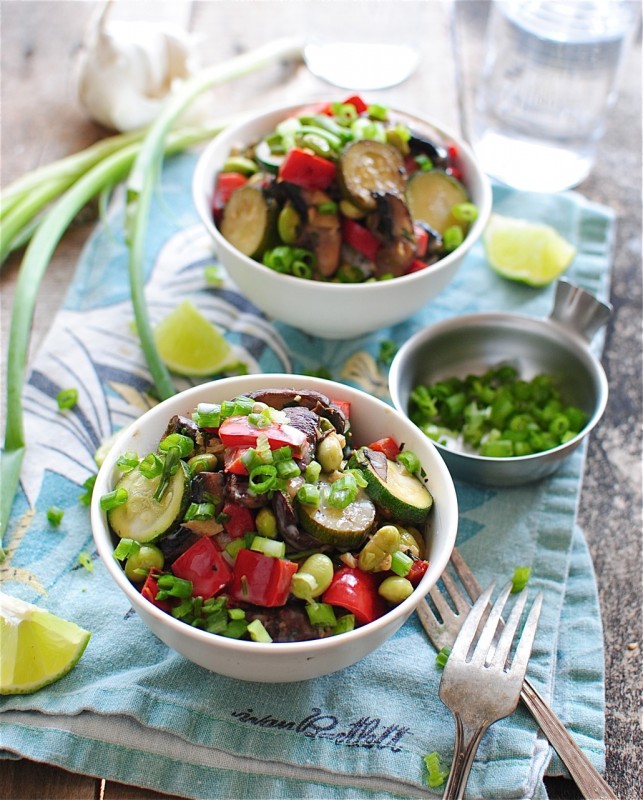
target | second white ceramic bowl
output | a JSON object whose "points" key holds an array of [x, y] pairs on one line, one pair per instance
{"points": [[332, 310]]}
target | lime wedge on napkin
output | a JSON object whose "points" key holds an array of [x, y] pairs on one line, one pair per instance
{"points": [[189, 344], [38, 647], [529, 252]]}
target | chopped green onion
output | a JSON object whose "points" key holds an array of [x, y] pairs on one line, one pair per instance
{"points": [[114, 499], [55, 515], [321, 614], [125, 548], [312, 472], [85, 499], [262, 478], [436, 772], [236, 613], [67, 398], [377, 111], [171, 586], [151, 466], [424, 162], [184, 444], [213, 275], [409, 460], [520, 579], [442, 656], [288, 469], [207, 415], [85, 561], [387, 351], [343, 491], [269, 547], [344, 624], [236, 628], [308, 494], [452, 238], [401, 563], [170, 466], [128, 461], [257, 632], [199, 511]]}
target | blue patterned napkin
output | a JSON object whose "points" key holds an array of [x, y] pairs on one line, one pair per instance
{"points": [[134, 711]]}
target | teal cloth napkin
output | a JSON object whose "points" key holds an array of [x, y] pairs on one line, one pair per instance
{"points": [[134, 711]]}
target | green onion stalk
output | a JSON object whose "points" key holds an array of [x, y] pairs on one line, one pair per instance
{"points": [[106, 172], [145, 173]]}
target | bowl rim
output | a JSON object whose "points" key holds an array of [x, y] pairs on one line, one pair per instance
{"points": [[105, 547], [513, 320], [204, 167]]}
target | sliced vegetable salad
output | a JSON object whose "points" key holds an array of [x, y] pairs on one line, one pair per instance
{"points": [[344, 192], [497, 414], [259, 518]]}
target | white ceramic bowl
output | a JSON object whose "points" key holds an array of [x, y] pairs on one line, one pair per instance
{"points": [[332, 310], [371, 419]]}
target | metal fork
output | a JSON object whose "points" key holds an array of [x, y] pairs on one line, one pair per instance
{"points": [[442, 633], [478, 684]]}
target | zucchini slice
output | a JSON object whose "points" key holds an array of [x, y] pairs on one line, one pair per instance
{"points": [[399, 495], [248, 220], [431, 196], [367, 168], [344, 528], [144, 519], [267, 159]]}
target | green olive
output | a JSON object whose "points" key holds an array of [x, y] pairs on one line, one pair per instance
{"points": [[330, 453], [395, 589], [375, 555], [147, 557], [313, 577]]}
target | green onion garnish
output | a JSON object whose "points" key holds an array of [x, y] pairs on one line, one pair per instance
{"points": [[113, 499], [321, 614], [308, 494], [151, 466], [269, 547], [401, 563], [55, 515], [128, 461], [184, 443], [520, 579], [67, 398], [199, 511], [409, 460], [85, 561], [125, 548], [171, 586], [436, 772], [442, 656]]}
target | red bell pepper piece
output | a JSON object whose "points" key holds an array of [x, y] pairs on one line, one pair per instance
{"points": [[418, 568], [261, 580], [232, 460], [356, 100], [416, 265], [307, 169], [239, 520], [421, 240], [356, 591], [238, 432], [360, 238], [150, 589], [388, 446], [343, 405], [226, 184], [204, 565]]}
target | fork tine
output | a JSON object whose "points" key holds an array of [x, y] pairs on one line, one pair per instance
{"points": [[523, 650], [488, 632], [509, 631], [467, 578], [459, 600], [468, 630]]}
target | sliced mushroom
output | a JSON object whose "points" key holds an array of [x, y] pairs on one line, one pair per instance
{"points": [[391, 222], [308, 398], [287, 524]]}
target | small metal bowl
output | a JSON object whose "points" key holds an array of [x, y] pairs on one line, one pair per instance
{"points": [[556, 346]]}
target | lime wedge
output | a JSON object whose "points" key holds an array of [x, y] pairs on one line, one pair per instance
{"points": [[524, 251], [38, 647], [189, 344]]}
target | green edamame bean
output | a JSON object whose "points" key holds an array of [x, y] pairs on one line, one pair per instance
{"points": [[395, 589], [205, 462], [147, 557], [313, 577], [384, 542], [288, 224], [266, 523], [330, 453]]}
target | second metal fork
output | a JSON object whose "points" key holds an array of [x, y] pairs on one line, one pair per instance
{"points": [[442, 633], [478, 683]]}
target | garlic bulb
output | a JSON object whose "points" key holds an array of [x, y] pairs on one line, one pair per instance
{"points": [[127, 71]]}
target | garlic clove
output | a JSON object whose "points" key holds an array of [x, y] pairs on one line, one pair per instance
{"points": [[128, 70]]}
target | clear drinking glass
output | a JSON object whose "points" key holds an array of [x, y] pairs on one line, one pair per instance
{"points": [[548, 81]]}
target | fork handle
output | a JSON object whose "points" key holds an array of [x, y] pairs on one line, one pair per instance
{"points": [[467, 739], [587, 778]]}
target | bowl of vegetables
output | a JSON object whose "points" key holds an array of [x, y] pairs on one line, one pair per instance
{"points": [[340, 218], [506, 398], [274, 528]]}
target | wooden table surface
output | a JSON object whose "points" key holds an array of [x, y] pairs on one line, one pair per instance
{"points": [[42, 120]]}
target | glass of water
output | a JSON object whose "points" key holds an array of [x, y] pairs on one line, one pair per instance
{"points": [[549, 78]]}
